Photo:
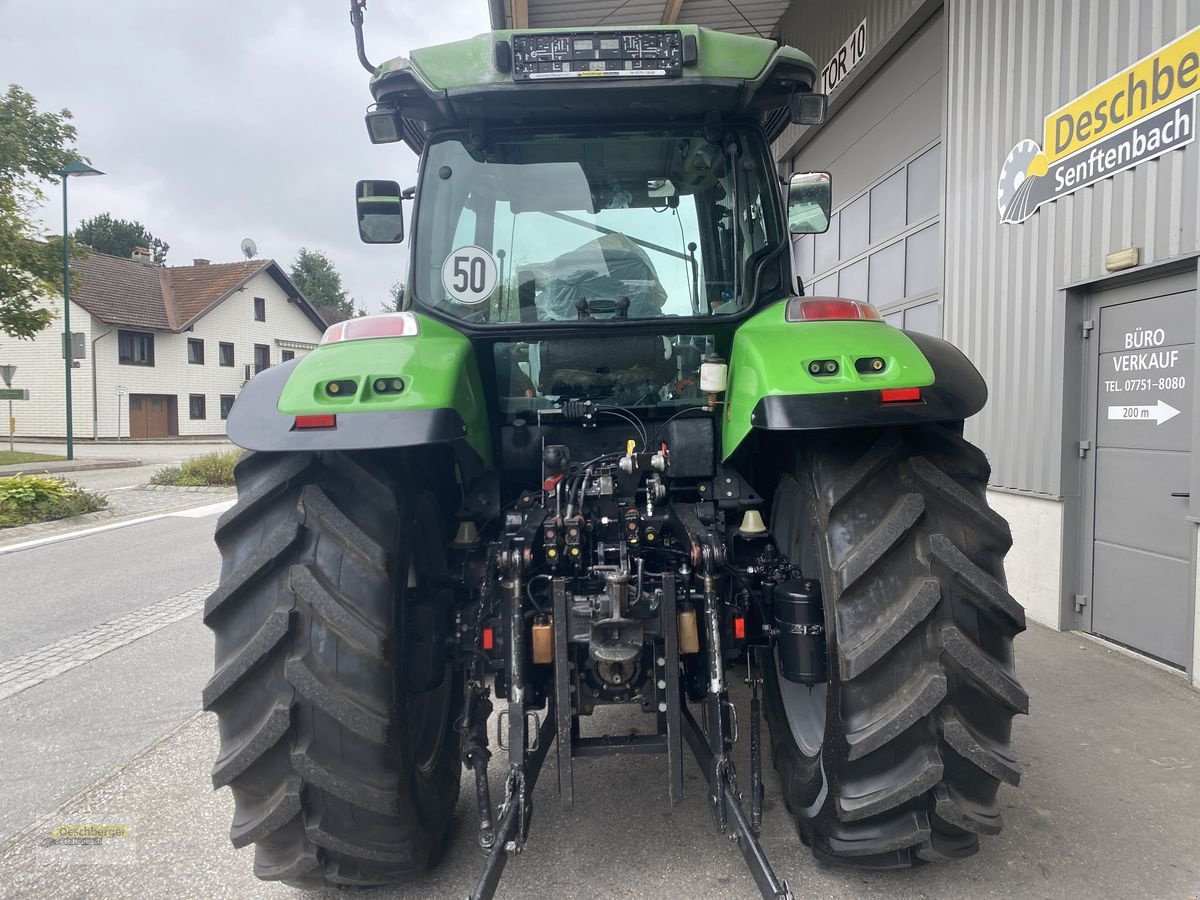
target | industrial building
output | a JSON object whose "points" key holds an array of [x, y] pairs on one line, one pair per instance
{"points": [[1022, 179]]}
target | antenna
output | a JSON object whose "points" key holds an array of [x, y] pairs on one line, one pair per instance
{"points": [[249, 248], [357, 8]]}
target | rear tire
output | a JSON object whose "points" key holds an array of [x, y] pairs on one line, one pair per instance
{"points": [[341, 773], [898, 759]]}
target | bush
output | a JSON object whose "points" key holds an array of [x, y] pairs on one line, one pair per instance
{"points": [[210, 470], [39, 498]]}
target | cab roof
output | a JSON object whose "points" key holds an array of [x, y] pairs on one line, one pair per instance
{"points": [[471, 83]]}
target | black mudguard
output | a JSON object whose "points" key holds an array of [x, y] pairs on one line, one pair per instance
{"points": [[958, 392]]}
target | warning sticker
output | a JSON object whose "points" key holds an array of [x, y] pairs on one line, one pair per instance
{"points": [[469, 275]]}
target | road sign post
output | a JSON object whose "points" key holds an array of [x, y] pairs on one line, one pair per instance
{"points": [[7, 373]]}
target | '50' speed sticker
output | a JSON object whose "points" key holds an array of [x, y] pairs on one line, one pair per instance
{"points": [[469, 275]]}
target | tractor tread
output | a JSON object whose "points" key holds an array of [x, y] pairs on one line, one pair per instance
{"points": [[911, 776], [951, 491], [343, 784], [983, 670], [262, 737], [265, 476], [890, 532], [260, 562], [352, 713], [983, 590], [920, 705], [336, 610], [911, 702], [898, 832], [317, 734], [980, 751], [267, 815], [962, 812], [341, 528], [898, 621], [253, 653]]}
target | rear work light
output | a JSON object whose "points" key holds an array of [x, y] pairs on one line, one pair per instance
{"points": [[900, 395], [816, 309], [384, 325], [322, 420]]}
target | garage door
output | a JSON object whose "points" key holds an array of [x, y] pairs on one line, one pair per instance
{"points": [[884, 243], [1142, 540]]}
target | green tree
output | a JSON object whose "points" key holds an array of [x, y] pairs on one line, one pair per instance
{"points": [[318, 279], [34, 146], [396, 292], [119, 237]]}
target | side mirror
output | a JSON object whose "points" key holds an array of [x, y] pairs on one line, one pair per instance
{"points": [[810, 198], [380, 213], [808, 109]]}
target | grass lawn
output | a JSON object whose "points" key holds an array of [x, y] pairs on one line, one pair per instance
{"points": [[16, 457]]}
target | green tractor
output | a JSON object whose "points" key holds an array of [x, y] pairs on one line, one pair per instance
{"points": [[609, 452]]}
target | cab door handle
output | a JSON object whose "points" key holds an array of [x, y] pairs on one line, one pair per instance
{"points": [[1184, 494]]}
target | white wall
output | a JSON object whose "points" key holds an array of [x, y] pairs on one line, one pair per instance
{"points": [[1196, 631], [1034, 565], [40, 366]]}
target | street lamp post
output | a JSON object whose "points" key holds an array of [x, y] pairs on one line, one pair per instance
{"points": [[79, 170]]}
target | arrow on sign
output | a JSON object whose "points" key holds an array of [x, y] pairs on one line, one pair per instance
{"points": [[1162, 412]]}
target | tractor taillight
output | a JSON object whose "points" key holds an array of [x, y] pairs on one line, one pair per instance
{"points": [[816, 309], [899, 395], [322, 420], [384, 325]]}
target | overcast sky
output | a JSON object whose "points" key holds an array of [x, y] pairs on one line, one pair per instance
{"points": [[217, 120]]}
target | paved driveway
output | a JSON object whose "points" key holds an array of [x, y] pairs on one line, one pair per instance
{"points": [[1107, 807]]}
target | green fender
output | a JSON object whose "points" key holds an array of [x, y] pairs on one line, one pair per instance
{"points": [[442, 400], [771, 388]]}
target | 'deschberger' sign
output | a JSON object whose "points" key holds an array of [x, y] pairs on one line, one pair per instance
{"points": [[1141, 112]]}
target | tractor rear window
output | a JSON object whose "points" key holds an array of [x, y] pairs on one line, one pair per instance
{"points": [[651, 371], [578, 228]]}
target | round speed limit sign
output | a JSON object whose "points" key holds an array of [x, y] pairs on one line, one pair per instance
{"points": [[469, 275]]}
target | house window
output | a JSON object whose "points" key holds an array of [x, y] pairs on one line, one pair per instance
{"points": [[260, 309], [286, 355], [262, 357], [226, 405], [196, 406], [226, 353], [196, 351], [135, 348]]}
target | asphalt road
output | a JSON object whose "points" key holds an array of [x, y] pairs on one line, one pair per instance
{"points": [[1107, 807], [60, 735], [56, 589]]}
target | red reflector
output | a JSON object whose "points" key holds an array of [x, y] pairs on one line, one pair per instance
{"points": [[800, 309], [899, 395], [739, 628], [488, 639], [324, 420]]}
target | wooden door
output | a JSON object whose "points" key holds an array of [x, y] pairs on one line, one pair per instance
{"points": [[149, 415]]}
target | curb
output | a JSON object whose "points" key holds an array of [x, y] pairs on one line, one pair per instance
{"points": [[75, 465], [190, 488]]}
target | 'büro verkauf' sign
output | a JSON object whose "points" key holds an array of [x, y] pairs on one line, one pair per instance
{"points": [[1136, 115]]}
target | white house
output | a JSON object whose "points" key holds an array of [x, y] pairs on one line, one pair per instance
{"points": [[166, 349]]}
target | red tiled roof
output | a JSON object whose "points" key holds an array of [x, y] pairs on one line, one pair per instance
{"points": [[124, 292], [193, 290], [119, 291]]}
